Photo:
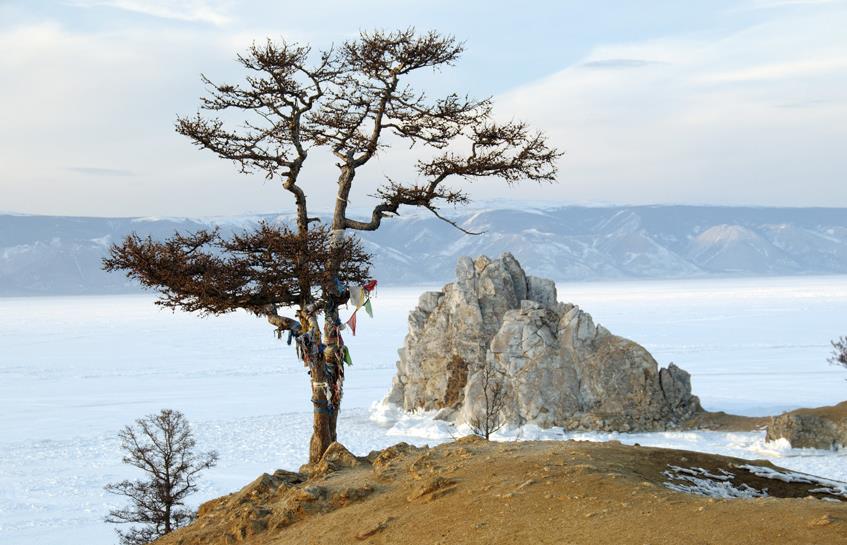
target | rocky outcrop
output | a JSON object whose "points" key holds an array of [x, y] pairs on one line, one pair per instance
{"points": [[557, 367], [821, 428], [273, 503]]}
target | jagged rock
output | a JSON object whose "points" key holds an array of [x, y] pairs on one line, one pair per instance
{"points": [[821, 428], [382, 461], [558, 368], [263, 489], [336, 458]]}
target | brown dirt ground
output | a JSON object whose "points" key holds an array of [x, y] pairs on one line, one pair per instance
{"points": [[535, 493], [833, 412], [721, 421]]}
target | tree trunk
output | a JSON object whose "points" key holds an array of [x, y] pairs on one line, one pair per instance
{"points": [[323, 419], [335, 360], [327, 378], [323, 429], [168, 528], [331, 369]]}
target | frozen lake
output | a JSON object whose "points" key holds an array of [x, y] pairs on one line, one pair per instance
{"points": [[74, 370]]}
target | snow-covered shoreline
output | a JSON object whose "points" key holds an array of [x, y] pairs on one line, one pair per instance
{"points": [[752, 445]]}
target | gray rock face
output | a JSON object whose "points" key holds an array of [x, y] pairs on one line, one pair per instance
{"points": [[822, 428], [557, 367]]}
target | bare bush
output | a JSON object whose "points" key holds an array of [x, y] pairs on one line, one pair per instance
{"points": [[489, 418], [162, 446]]}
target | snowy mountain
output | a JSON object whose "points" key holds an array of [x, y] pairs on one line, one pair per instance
{"points": [[61, 255]]}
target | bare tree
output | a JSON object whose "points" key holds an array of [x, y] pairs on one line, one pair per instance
{"points": [[839, 352], [162, 446], [349, 99], [489, 417]]}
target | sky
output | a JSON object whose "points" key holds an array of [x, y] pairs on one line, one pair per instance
{"points": [[728, 102]]}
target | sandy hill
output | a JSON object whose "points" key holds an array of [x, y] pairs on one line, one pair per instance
{"points": [[477, 492]]}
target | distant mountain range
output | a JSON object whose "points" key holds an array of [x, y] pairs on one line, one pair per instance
{"points": [[61, 255]]}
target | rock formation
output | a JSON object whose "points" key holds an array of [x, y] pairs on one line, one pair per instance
{"points": [[557, 367], [822, 427]]}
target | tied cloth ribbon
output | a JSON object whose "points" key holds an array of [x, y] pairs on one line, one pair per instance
{"points": [[323, 406], [351, 323], [360, 296]]}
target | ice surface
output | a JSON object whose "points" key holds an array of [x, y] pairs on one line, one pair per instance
{"points": [[74, 370], [701, 482], [836, 488]]}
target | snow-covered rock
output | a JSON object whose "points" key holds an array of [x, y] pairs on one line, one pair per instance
{"points": [[558, 368], [820, 428]]}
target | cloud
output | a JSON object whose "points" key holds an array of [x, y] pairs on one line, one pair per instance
{"points": [[613, 64], [98, 171], [811, 103], [108, 100], [768, 4], [709, 123], [803, 68], [195, 11]]}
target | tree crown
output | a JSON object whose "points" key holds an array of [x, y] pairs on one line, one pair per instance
{"points": [[350, 99], [257, 270]]}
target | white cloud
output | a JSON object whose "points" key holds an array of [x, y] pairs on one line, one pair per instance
{"points": [[196, 11], [766, 4], [109, 100], [796, 69], [707, 123]]}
